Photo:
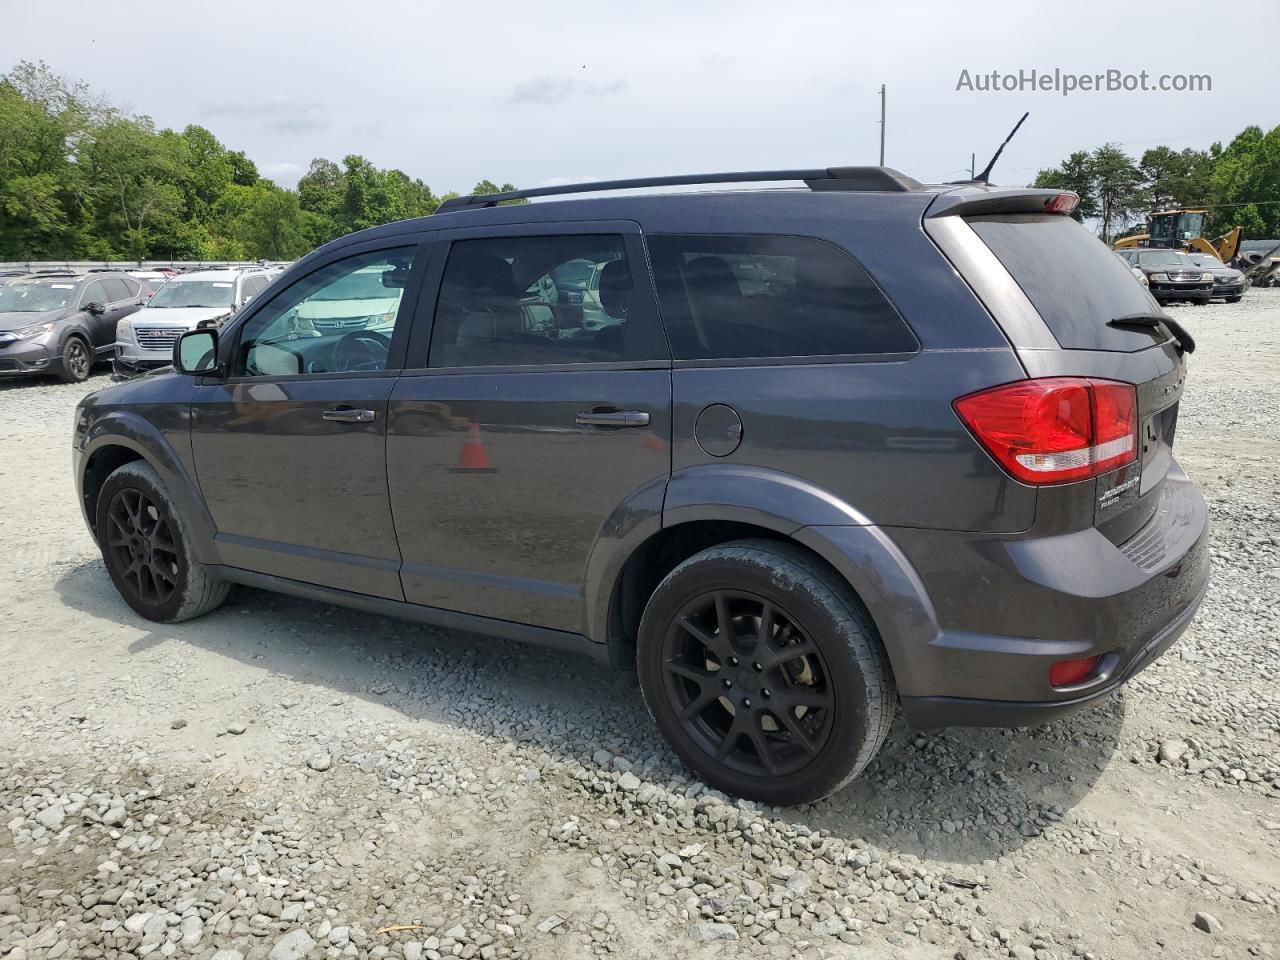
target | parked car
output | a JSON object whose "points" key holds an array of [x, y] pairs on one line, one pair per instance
{"points": [[1137, 274], [848, 449], [1228, 282], [61, 324], [145, 341], [1172, 275]]}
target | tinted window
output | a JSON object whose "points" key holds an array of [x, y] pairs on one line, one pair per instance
{"points": [[117, 291], [1072, 279], [339, 319], [533, 300], [93, 293], [759, 296]]}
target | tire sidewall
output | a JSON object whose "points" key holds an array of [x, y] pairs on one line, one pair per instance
{"points": [[143, 478], [822, 614], [68, 370]]}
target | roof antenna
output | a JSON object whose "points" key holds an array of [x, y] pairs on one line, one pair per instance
{"points": [[985, 175]]}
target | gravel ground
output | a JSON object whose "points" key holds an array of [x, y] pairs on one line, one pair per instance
{"points": [[282, 779]]}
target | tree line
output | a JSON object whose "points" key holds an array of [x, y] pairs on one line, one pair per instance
{"points": [[1238, 184], [83, 180]]}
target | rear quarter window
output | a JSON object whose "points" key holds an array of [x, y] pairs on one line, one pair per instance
{"points": [[1072, 278], [753, 296]]}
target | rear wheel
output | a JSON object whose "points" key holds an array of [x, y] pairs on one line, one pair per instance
{"points": [[1235, 299], [763, 672], [147, 551], [77, 361]]}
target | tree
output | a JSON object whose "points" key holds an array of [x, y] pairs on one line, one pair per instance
{"points": [[1118, 188]]}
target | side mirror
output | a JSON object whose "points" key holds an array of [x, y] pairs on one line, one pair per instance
{"points": [[196, 352], [95, 308]]}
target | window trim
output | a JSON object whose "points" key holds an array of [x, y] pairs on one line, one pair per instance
{"points": [[424, 252], [417, 358], [784, 360]]}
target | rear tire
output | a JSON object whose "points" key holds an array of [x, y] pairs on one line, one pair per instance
{"points": [[1234, 299], [77, 361], [148, 551], [764, 673]]}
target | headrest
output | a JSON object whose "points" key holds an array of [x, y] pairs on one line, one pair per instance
{"points": [[615, 288]]}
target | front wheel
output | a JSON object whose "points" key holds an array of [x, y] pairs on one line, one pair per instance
{"points": [[1234, 299], [763, 672], [77, 361], [148, 553]]}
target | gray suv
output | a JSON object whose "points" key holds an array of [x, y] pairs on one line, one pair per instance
{"points": [[61, 324], [845, 448]]}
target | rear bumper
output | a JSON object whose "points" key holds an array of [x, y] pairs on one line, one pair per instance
{"points": [[925, 713], [1007, 609]]}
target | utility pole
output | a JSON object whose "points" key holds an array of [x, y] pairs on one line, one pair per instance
{"points": [[882, 124], [973, 165]]}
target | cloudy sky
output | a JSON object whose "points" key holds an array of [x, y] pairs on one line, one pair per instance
{"points": [[555, 92]]}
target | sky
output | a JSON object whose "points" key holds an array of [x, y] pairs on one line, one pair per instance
{"points": [[552, 92]]}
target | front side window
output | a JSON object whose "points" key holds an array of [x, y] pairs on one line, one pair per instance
{"points": [[339, 319], [727, 297], [533, 300], [117, 290]]}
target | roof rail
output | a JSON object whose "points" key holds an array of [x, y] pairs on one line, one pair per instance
{"points": [[822, 178]]}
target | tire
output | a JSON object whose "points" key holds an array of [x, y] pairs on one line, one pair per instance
{"points": [[77, 361], [1234, 299], [801, 727], [167, 583]]}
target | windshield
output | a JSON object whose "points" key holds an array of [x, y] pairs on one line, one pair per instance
{"points": [[35, 296], [1162, 258], [1206, 261], [194, 293]]}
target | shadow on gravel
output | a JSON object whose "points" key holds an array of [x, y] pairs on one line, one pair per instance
{"points": [[963, 795]]}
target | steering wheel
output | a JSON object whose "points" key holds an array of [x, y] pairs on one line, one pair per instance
{"points": [[361, 350]]}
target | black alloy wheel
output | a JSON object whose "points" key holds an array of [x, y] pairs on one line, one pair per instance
{"points": [[142, 547], [749, 687]]}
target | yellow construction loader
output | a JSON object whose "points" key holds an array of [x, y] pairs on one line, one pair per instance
{"points": [[1180, 230]]}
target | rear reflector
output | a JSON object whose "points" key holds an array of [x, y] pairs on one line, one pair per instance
{"points": [[1055, 429], [1067, 673]]}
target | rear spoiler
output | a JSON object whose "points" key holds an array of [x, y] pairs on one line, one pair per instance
{"points": [[974, 201]]}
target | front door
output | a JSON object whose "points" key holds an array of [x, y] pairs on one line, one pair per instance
{"points": [[290, 449], [537, 422]]}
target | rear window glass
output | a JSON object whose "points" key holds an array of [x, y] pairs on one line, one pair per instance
{"points": [[1072, 279], [729, 297]]}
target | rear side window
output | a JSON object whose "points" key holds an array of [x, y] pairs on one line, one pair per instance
{"points": [[529, 301], [1072, 279], [730, 297]]}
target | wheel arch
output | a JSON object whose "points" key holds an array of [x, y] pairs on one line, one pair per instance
{"points": [[708, 506], [124, 437]]}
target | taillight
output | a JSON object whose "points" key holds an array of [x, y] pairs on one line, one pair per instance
{"points": [[1055, 429]]}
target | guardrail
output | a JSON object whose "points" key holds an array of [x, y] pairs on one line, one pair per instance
{"points": [[84, 266]]}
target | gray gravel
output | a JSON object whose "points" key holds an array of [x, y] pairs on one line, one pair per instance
{"points": [[283, 780]]}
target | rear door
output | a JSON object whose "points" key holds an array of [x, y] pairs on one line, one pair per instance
{"points": [[526, 429]]}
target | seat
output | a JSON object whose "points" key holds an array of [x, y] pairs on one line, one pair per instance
{"points": [[715, 300]]}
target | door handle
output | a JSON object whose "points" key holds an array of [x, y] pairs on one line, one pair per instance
{"points": [[613, 418], [348, 415]]}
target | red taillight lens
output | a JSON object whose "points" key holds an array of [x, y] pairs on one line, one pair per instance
{"points": [[1066, 673], [1055, 429]]}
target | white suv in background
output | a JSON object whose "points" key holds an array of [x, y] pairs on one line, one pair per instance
{"points": [[144, 341]]}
